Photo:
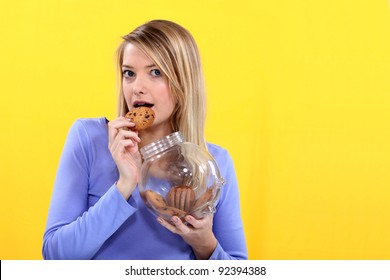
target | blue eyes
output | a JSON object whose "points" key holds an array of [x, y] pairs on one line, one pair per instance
{"points": [[155, 72], [129, 74]]}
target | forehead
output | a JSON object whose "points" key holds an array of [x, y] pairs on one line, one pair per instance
{"points": [[134, 55]]}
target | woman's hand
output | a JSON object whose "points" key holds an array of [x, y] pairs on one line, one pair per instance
{"points": [[198, 234], [123, 145]]}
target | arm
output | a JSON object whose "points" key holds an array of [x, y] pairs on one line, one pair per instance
{"points": [[228, 226], [73, 231]]}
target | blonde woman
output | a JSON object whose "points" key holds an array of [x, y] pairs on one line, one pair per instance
{"points": [[96, 210]]}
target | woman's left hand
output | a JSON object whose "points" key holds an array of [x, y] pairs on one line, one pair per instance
{"points": [[197, 233]]}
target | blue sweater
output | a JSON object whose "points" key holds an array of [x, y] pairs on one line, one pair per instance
{"points": [[89, 219]]}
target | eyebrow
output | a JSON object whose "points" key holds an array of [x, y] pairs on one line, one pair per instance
{"points": [[147, 66]]}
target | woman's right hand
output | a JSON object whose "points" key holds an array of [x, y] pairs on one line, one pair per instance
{"points": [[123, 145]]}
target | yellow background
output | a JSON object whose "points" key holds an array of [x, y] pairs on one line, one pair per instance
{"points": [[298, 91]]}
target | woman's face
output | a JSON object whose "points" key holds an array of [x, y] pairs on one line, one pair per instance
{"points": [[144, 85]]}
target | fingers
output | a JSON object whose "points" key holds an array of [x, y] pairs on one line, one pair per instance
{"points": [[123, 146], [177, 226], [124, 138], [119, 135], [196, 233], [180, 227], [115, 128], [118, 147], [169, 226], [194, 222]]}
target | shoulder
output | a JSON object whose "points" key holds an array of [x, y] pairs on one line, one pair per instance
{"points": [[217, 151], [90, 126], [91, 123], [220, 154], [89, 130]]}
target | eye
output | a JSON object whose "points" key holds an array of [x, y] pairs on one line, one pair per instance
{"points": [[155, 72], [127, 73]]}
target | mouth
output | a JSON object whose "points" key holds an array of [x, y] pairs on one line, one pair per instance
{"points": [[142, 104]]}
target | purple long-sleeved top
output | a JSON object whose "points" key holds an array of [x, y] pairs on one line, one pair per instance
{"points": [[90, 219]]}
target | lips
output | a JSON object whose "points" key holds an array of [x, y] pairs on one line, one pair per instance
{"points": [[137, 104]]}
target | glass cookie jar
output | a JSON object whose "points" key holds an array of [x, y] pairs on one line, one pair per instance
{"points": [[179, 178]]}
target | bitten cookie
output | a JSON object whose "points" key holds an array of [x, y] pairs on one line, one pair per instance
{"points": [[181, 197], [143, 117]]}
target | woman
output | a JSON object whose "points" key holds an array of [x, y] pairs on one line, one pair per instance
{"points": [[96, 210]]}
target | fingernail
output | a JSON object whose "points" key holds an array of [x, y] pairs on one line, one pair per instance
{"points": [[189, 218], [175, 219], [160, 220]]}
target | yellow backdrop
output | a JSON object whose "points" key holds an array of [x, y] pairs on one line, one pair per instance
{"points": [[299, 93]]}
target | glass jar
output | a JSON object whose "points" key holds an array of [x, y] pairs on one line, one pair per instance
{"points": [[179, 178]]}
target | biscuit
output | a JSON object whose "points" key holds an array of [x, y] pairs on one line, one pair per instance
{"points": [[181, 197], [154, 199], [143, 117], [202, 200], [168, 212]]}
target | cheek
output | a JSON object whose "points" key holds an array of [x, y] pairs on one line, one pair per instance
{"points": [[126, 91], [170, 106], [126, 88], [169, 101]]}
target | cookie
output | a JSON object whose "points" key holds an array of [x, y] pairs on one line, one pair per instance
{"points": [[202, 200], [143, 117], [169, 212], [154, 199], [181, 197]]}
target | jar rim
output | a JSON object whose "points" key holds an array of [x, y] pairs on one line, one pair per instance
{"points": [[161, 144]]}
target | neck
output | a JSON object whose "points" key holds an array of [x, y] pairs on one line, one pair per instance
{"points": [[153, 134]]}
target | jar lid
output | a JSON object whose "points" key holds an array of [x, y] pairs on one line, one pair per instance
{"points": [[161, 145]]}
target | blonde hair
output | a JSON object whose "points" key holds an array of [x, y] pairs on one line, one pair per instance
{"points": [[173, 49]]}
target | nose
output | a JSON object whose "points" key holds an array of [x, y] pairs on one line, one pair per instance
{"points": [[139, 85]]}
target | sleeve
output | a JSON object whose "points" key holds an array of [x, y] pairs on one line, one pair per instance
{"points": [[227, 224], [73, 231]]}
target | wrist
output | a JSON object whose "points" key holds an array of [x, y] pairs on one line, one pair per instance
{"points": [[204, 251], [125, 187]]}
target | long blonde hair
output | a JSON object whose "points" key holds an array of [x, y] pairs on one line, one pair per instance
{"points": [[173, 49]]}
